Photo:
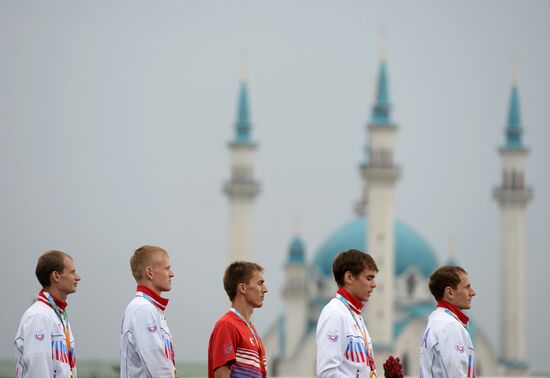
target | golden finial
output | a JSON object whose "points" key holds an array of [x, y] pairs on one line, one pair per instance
{"points": [[296, 225], [244, 73], [383, 47], [374, 89], [452, 250], [514, 70]]}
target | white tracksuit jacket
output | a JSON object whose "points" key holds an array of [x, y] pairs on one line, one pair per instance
{"points": [[447, 349], [146, 348], [40, 344], [340, 346]]}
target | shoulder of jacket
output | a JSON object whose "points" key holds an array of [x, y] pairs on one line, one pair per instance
{"points": [[225, 321], [450, 325], [141, 306], [442, 315], [36, 316], [39, 308], [333, 311]]}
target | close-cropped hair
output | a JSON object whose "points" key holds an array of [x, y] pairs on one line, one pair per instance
{"points": [[353, 261], [443, 277], [50, 261], [237, 273], [143, 257]]}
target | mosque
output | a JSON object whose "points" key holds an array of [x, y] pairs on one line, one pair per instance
{"points": [[397, 314]]}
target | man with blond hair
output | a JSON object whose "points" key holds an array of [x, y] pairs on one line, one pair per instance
{"points": [[44, 342], [146, 348]]}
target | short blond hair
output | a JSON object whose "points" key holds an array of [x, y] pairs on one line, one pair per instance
{"points": [[142, 257]]}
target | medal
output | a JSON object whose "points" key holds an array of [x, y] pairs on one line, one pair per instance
{"points": [[373, 374]]}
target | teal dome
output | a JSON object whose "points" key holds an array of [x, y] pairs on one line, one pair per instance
{"points": [[410, 248]]}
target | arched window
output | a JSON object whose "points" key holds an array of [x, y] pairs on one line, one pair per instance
{"points": [[405, 364], [411, 284]]}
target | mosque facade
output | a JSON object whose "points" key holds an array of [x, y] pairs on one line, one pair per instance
{"points": [[397, 314]]}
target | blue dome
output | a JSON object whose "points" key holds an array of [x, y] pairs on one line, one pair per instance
{"points": [[296, 253], [410, 248]]}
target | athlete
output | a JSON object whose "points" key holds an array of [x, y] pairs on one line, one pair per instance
{"points": [[44, 342], [447, 349], [146, 348], [235, 348], [344, 347]]}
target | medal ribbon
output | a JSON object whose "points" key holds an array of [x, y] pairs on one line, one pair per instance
{"points": [[370, 361], [65, 322], [253, 335]]}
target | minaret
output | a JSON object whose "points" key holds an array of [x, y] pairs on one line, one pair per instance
{"points": [[381, 174], [242, 188], [295, 294], [512, 197]]}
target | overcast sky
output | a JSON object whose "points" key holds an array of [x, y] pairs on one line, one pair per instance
{"points": [[115, 118]]}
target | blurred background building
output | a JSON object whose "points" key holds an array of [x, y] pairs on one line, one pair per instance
{"points": [[397, 313]]}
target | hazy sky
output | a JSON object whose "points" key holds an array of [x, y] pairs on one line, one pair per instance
{"points": [[115, 118]]}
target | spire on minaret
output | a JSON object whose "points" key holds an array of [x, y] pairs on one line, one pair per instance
{"points": [[381, 108], [513, 127], [243, 124], [296, 251]]}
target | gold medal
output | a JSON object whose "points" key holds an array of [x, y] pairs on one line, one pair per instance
{"points": [[373, 374]]}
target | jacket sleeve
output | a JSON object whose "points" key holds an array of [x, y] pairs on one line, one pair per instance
{"points": [[331, 345], [456, 351], [149, 343], [37, 346]]}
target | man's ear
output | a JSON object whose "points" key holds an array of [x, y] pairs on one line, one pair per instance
{"points": [[347, 277], [242, 288], [54, 277], [148, 272]]}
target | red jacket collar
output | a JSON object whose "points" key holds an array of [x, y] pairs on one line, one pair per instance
{"points": [[455, 310], [355, 304], [58, 302], [156, 299]]}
